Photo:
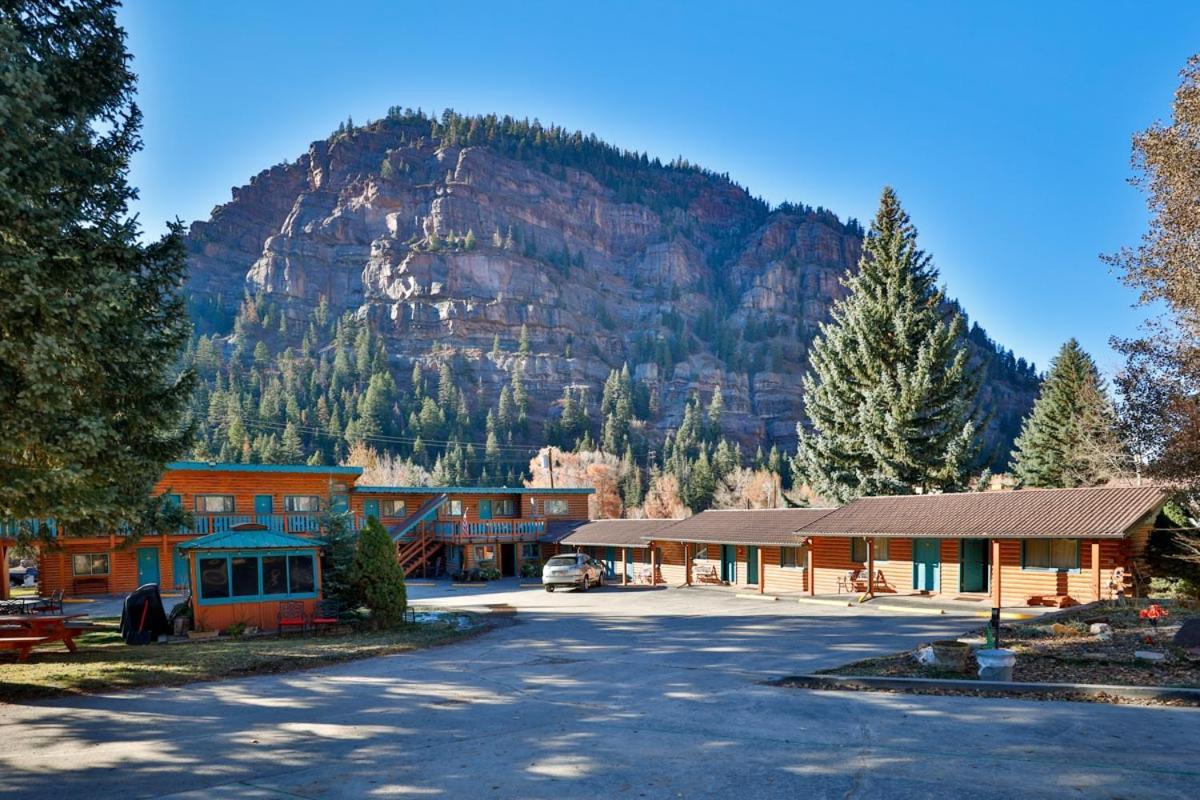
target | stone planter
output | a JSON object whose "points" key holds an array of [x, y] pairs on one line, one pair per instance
{"points": [[995, 665], [951, 654]]}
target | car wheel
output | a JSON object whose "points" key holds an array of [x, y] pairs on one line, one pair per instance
{"points": [[549, 588], [587, 584], [600, 580]]}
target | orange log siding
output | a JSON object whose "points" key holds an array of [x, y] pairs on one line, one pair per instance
{"points": [[831, 561]]}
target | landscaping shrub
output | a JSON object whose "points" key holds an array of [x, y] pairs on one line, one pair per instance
{"points": [[530, 569], [378, 578]]}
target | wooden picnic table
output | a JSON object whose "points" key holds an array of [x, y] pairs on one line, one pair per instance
{"points": [[20, 632]]}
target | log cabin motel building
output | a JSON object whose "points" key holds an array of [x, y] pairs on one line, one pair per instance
{"points": [[444, 528], [1032, 546], [1016, 547]]}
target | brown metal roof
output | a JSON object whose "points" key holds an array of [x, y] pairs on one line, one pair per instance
{"points": [[559, 529], [759, 526], [617, 532], [1090, 512]]}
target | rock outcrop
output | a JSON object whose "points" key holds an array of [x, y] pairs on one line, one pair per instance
{"points": [[605, 258]]}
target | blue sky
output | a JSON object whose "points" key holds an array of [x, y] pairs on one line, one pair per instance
{"points": [[1005, 128]]}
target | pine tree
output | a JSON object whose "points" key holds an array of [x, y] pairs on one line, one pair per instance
{"points": [[93, 323], [378, 578], [291, 449], [1069, 438], [523, 342], [890, 395]]}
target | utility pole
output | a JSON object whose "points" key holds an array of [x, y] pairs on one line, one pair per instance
{"points": [[548, 463]]}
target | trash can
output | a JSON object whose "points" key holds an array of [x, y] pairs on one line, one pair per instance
{"points": [[996, 664]]}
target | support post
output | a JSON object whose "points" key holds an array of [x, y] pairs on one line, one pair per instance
{"points": [[762, 570], [870, 566], [997, 591], [624, 570], [1096, 569], [810, 570], [4, 591], [653, 565], [687, 565]]}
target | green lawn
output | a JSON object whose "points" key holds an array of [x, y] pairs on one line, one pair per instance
{"points": [[105, 663]]}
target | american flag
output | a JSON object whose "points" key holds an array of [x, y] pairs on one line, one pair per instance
{"points": [[466, 531]]}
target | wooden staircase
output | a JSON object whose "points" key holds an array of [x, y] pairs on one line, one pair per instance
{"points": [[418, 553]]}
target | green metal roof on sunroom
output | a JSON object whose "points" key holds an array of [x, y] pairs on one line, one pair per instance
{"points": [[250, 540]]}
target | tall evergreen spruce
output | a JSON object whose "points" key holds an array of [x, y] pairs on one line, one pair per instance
{"points": [[1069, 438], [92, 323], [890, 395]]}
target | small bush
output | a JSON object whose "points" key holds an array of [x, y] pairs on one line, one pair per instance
{"points": [[378, 578], [530, 570]]}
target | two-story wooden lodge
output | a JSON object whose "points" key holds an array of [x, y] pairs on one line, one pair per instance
{"points": [[461, 526]]}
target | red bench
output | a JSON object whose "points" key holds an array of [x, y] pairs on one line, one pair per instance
{"points": [[22, 644]]}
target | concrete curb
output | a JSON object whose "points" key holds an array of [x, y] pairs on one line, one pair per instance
{"points": [[1014, 688], [770, 598], [937, 612]]}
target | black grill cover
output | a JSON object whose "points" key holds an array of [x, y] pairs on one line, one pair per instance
{"points": [[143, 619]]}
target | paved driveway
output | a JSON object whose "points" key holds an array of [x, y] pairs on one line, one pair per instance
{"points": [[611, 693]]}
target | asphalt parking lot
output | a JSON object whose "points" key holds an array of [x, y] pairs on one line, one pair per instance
{"points": [[617, 692]]}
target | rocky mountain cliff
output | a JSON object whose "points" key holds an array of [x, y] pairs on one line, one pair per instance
{"points": [[444, 235]]}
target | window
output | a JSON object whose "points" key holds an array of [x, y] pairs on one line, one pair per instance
{"points": [[1057, 554], [529, 551], [301, 577], [789, 557], [245, 577], [393, 508], [484, 552], [274, 575], [90, 564], [269, 575], [701, 554], [552, 508], [214, 504], [299, 503], [858, 549], [454, 508], [504, 508], [214, 578]]}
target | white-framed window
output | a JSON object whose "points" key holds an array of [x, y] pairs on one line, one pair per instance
{"points": [[393, 508], [454, 508], [299, 503], [504, 508], [90, 564], [214, 504], [1053, 554], [858, 549], [789, 557], [554, 507]]}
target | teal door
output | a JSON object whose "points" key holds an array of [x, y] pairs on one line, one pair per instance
{"points": [[974, 575], [371, 508], [485, 509], [610, 561], [751, 565], [147, 561], [927, 564], [179, 569], [729, 563]]}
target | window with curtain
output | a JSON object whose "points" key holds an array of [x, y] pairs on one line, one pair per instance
{"points": [[90, 564], [1058, 554]]}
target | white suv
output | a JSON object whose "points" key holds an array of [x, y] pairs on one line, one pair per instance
{"points": [[572, 571]]}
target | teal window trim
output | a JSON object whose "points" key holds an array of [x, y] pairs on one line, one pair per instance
{"points": [[1026, 567], [259, 555]]}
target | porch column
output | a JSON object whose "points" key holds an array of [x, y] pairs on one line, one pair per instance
{"points": [[624, 571], [4, 591], [687, 565], [870, 566], [653, 566], [762, 570], [1096, 569], [810, 569], [997, 593]]}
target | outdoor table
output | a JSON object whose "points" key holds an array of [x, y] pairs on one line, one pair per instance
{"points": [[26, 603], [49, 627]]}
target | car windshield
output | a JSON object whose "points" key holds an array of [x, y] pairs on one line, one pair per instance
{"points": [[561, 561]]}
